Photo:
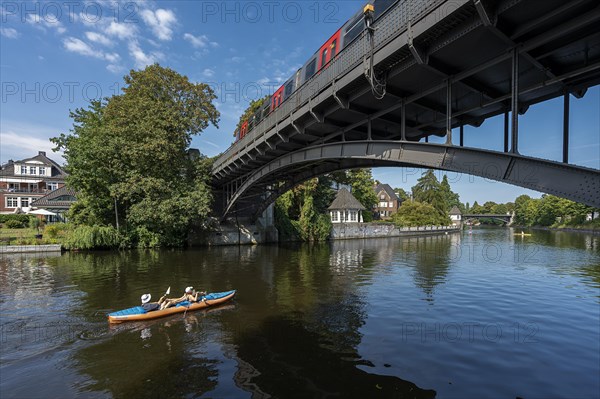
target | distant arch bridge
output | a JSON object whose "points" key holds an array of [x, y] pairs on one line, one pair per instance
{"points": [[444, 64], [507, 219]]}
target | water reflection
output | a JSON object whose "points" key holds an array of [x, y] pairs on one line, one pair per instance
{"points": [[289, 361], [163, 360]]}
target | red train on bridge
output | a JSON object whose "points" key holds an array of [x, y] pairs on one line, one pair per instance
{"points": [[327, 52]]}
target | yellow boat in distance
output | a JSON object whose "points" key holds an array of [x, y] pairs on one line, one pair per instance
{"points": [[138, 313], [522, 234]]}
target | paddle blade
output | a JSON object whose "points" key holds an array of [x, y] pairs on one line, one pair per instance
{"points": [[168, 291]]}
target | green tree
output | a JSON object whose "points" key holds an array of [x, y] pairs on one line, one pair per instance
{"points": [[450, 197], [414, 213], [129, 154], [362, 184], [428, 189], [402, 194], [301, 213], [476, 208]]}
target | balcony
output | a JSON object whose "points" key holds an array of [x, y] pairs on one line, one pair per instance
{"points": [[41, 191]]}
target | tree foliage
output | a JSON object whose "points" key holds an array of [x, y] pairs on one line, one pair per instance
{"points": [[362, 183], [128, 154], [549, 210], [301, 213], [428, 189], [414, 213]]}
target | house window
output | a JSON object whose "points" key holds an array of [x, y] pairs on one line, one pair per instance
{"points": [[42, 171], [52, 186], [12, 187], [382, 197], [33, 187], [12, 202], [353, 217], [23, 169], [32, 170], [383, 204], [334, 216], [24, 202]]}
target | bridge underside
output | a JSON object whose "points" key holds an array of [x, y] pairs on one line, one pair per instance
{"points": [[273, 179], [456, 63]]}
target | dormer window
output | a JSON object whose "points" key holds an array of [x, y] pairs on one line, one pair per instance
{"points": [[23, 169], [42, 171], [32, 170]]}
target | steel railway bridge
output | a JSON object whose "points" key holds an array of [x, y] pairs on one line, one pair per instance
{"points": [[445, 64]]}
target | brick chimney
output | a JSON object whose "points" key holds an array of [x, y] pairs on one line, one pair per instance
{"points": [[42, 153]]}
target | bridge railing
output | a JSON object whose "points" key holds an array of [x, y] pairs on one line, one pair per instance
{"points": [[394, 22]]}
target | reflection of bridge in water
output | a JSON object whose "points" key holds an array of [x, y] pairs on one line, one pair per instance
{"points": [[507, 219], [446, 64]]}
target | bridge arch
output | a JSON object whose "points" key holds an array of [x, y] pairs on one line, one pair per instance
{"points": [[567, 181]]}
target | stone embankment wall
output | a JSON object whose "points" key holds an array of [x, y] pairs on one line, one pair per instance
{"points": [[378, 230], [14, 249]]}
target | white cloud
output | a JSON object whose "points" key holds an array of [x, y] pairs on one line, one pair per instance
{"points": [[201, 41], [116, 69], [141, 58], [22, 144], [160, 21], [9, 33], [78, 46], [98, 38], [208, 73], [46, 22], [237, 59], [121, 30]]}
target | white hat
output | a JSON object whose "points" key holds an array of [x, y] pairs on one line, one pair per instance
{"points": [[146, 298], [189, 289]]}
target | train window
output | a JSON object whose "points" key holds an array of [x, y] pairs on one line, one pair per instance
{"points": [[289, 88], [324, 58], [311, 68], [333, 48], [381, 6]]}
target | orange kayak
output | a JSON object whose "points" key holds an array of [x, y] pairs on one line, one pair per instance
{"points": [[138, 313]]}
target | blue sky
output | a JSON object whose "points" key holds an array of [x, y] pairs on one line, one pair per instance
{"points": [[56, 55]]}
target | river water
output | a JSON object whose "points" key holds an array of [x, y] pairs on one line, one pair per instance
{"points": [[481, 315]]}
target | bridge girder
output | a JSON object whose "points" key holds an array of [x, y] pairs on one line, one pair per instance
{"points": [[567, 181]]}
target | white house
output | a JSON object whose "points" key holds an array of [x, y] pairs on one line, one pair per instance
{"points": [[345, 208], [455, 216]]}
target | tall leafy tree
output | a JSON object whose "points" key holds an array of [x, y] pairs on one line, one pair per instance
{"points": [[429, 190], [452, 199], [128, 154]]}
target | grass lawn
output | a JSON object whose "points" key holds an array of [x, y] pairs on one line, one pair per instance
{"points": [[23, 237]]}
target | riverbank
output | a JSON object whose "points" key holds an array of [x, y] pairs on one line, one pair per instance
{"points": [[14, 249], [379, 230]]}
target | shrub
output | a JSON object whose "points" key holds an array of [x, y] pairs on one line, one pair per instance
{"points": [[145, 238], [15, 224], [20, 217], [54, 230], [93, 237]]}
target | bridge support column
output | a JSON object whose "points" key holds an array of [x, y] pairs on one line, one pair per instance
{"points": [[506, 131], [515, 102], [403, 128], [462, 135], [448, 112], [566, 112]]}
